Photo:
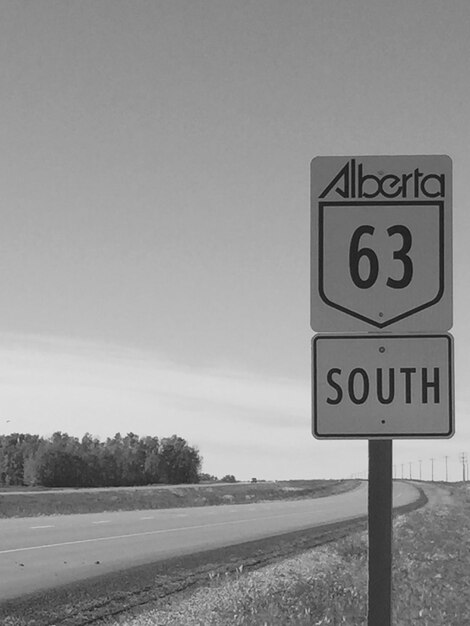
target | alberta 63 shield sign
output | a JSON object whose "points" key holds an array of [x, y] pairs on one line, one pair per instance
{"points": [[381, 243]]}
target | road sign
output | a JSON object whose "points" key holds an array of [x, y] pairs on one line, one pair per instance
{"points": [[381, 243], [382, 386]]}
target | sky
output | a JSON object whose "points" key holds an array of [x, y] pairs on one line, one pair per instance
{"points": [[154, 207]]}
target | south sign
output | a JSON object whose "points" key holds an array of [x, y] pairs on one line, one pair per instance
{"points": [[382, 386], [381, 243]]}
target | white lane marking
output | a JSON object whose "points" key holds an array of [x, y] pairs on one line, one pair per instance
{"points": [[181, 515], [150, 517], [102, 521], [45, 526], [150, 532]]}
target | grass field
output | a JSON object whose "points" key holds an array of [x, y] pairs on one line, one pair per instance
{"points": [[57, 502], [328, 585]]}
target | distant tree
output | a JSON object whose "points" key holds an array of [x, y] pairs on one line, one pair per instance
{"points": [[30, 472], [11, 460], [59, 468], [57, 462], [14, 449], [180, 463], [207, 478], [228, 478], [65, 461], [91, 454], [113, 460], [152, 460], [133, 460]]}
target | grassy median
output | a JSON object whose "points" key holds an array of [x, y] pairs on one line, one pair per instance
{"points": [[58, 502]]}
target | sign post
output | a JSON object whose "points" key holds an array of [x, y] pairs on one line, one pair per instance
{"points": [[381, 270], [380, 533]]}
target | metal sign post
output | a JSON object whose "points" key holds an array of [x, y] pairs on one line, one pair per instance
{"points": [[380, 533]]}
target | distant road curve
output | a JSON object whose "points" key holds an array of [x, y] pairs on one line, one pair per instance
{"points": [[45, 552]]}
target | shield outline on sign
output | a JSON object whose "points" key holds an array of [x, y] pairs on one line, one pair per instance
{"points": [[360, 316]]}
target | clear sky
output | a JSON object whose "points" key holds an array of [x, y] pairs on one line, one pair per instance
{"points": [[154, 206]]}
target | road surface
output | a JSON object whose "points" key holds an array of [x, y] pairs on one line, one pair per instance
{"points": [[44, 552]]}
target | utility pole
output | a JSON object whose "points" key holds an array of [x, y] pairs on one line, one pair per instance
{"points": [[402, 471], [411, 476], [463, 458], [432, 470], [447, 474], [420, 469]]}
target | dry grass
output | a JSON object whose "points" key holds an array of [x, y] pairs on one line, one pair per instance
{"points": [[328, 585]]}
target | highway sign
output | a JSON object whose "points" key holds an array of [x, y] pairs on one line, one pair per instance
{"points": [[381, 243], [382, 386]]}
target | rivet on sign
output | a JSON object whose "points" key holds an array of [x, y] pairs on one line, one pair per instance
{"points": [[383, 421], [381, 314], [381, 349]]}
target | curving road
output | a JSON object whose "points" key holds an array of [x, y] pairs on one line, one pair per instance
{"points": [[44, 552]]}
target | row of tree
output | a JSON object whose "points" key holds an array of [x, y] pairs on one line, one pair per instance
{"points": [[209, 478], [65, 461]]}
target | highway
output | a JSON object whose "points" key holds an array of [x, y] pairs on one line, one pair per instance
{"points": [[44, 552]]}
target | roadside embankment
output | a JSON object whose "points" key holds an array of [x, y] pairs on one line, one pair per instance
{"points": [[61, 502]]}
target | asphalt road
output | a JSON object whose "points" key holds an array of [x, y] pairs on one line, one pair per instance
{"points": [[44, 552]]}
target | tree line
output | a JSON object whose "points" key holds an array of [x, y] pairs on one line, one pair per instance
{"points": [[65, 461]]}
